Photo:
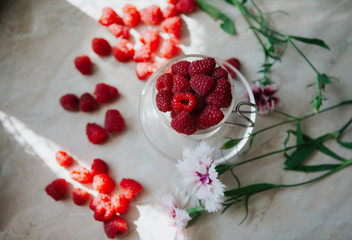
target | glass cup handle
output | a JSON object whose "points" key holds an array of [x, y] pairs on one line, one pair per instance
{"points": [[242, 113]]}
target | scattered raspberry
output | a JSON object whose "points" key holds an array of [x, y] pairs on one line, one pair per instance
{"points": [[105, 93], [180, 84], [101, 47], [96, 134], [57, 189], [184, 122], [170, 11], [131, 188], [169, 48], [143, 54], [98, 199], [130, 15], [183, 102], [150, 38], [235, 63], [200, 102], [181, 68], [87, 103], [123, 50], [163, 101], [151, 15], [186, 6], [119, 31], [63, 159], [83, 64], [204, 66], [115, 226], [99, 166], [103, 183], [144, 70], [81, 175], [219, 72], [109, 16], [164, 82], [172, 26], [172, 1], [120, 203], [209, 116], [80, 196], [70, 102], [103, 209], [159, 64], [201, 84], [114, 122]]}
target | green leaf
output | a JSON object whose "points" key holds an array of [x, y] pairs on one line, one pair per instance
{"points": [[216, 14], [314, 41], [299, 155], [324, 78], [314, 168], [345, 144], [194, 213], [249, 190], [310, 85], [222, 168], [231, 143], [246, 199], [317, 102]]}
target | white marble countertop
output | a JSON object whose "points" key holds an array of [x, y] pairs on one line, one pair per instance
{"points": [[39, 40]]}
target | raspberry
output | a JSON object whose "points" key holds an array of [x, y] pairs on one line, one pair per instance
{"points": [[151, 38], [119, 30], [173, 113], [57, 189], [158, 64], [180, 84], [163, 101], [81, 175], [103, 210], [172, 1], [219, 72], [186, 6], [70, 102], [151, 15], [83, 64], [204, 66], [120, 203], [209, 116], [114, 121], [130, 15], [101, 47], [109, 16], [115, 226], [87, 103], [201, 84], [181, 68], [184, 122], [99, 166], [105, 93], [143, 54], [98, 199], [96, 134], [170, 11], [103, 183], [131, 188], [80, 196], [172, 26], [144, 70], [235, 63], [200, 102], [123, 50], [219, 99], [183, 102], [63, 159], [169, 48], [164, 82]]}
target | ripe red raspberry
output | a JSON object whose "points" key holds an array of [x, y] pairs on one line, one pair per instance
{"points": [[235, 63], [170, 11], [109, 16], [123, 50], [169, 48], [219, 99], [209, 116], [114, 122], [115, 226], [119, 31], [99, 166], [70, 102], [204, 66], [87, 103], [96, 134], [219, 72], [57, 189], [99, 199], [83, 64], [120, 203], [105, 93], [173, 113], [63, 159], [183, 102], [101, 47], [143, 54], [151, 15], [163, 101], [80, 196], [201, 84], [186, 6], [150, 38], [180, 84], [103, 209], [200, 102], [131, 188], [184, 122], [81, 175], [144, 70], [130, 15], [172, 26], [181, 68], [165, 82], [103, 183], [172, 1]]}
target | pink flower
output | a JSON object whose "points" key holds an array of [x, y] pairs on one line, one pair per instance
{"points": [[264, 98]]}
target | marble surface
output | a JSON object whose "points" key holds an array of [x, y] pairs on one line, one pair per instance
{"points": [[39, 40]]}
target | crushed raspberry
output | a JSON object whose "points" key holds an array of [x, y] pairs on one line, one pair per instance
{"points": [[119, 31], [201, 84], [83, 64], [120, 203], [101, 47], [180, 84], [63, 159], [170, 11], [204, 66], [109, 16], [87, 103], [114, 122], [183, 102], [101, 205], [209, 116], [70, 102], [181, 68], [219, 72], [186, 6], [163, 101], [172, 26], [130, 15], [81, 175], [103, 183], [235, 63], [131, 188], [99, 166], [98, 199], [57, 189], [159, 64], [143, 54], [150, 38], [105, 93], [80, 196], [151, 15], [115, 226], [123, 50], [169, 48], [200, 102], [95, 133], [184, 122], [144, 70]]}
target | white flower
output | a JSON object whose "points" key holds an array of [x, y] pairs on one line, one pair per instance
{"points": [[198, 169]]}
